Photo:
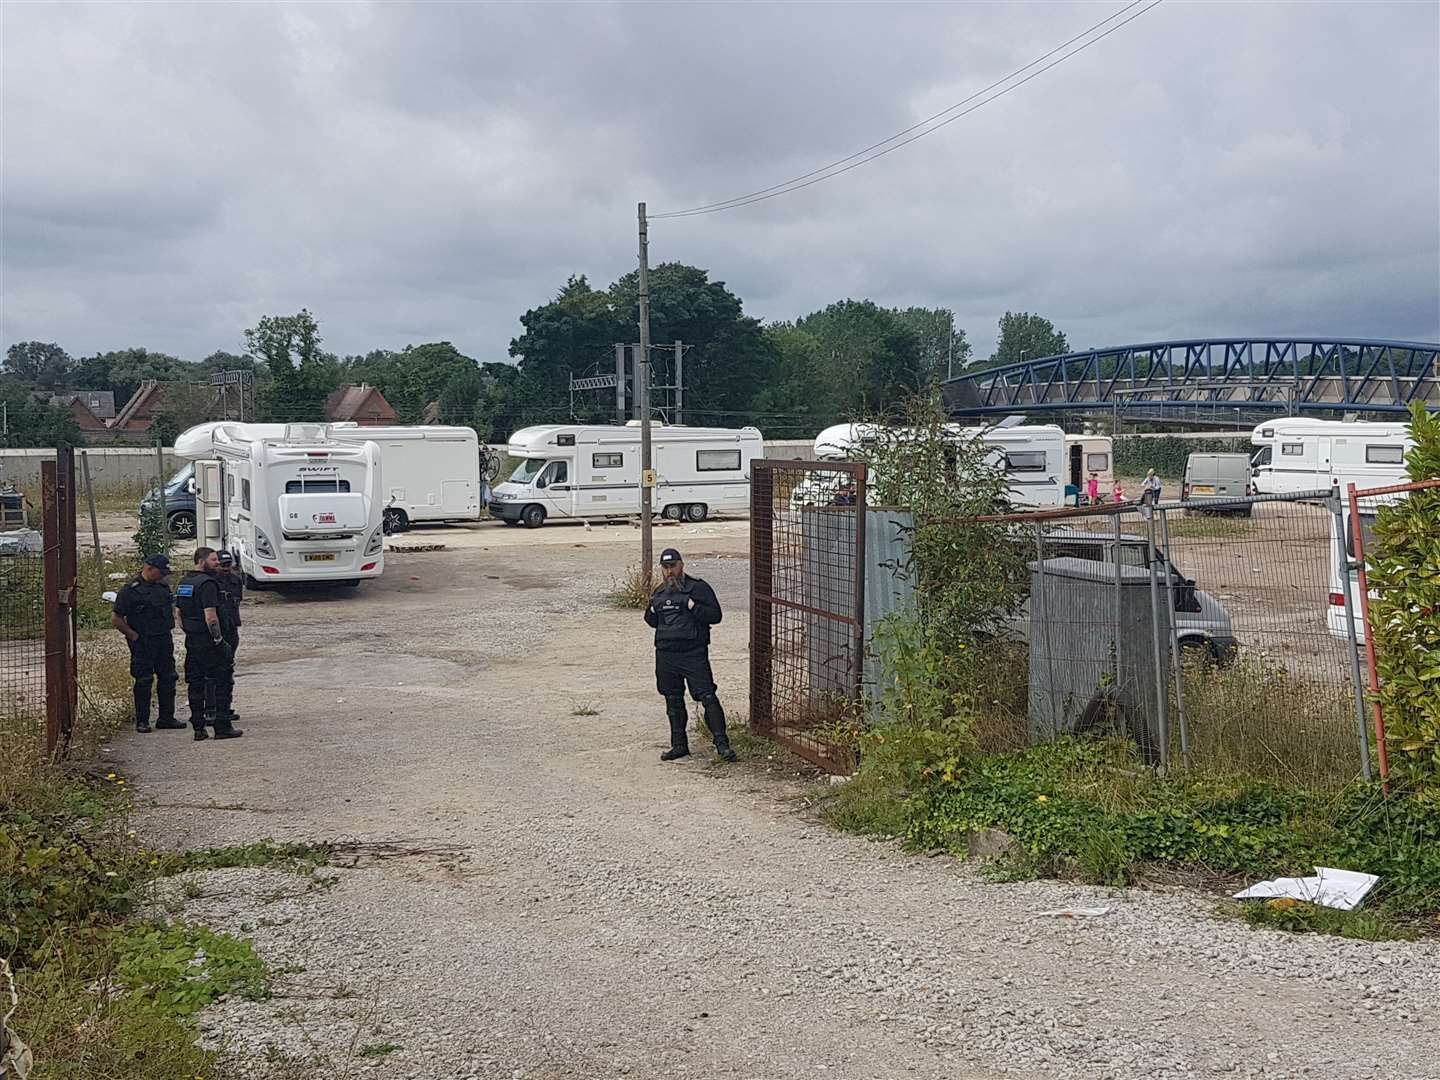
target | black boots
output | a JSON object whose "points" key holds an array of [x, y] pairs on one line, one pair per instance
{"points": [[679, 739], [715, 721], [224, 729], [169, 725]]}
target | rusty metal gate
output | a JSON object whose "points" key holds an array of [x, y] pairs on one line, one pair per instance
{"points": [[807, 605]]}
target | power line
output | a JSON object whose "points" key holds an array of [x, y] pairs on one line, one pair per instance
{"points": [[834, 169]]}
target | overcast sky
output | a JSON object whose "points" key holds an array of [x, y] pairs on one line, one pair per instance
{"points": [[422, 172]]}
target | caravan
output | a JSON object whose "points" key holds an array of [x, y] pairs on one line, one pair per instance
{"points": [[1086, 454], [1033, 456], [291, 501], [1296, 454], [593, 471]]}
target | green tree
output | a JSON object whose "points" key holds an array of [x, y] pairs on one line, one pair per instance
{"points": [[32, 422], [943, 347], [412, 378], [42, 364], [1405, 611], [301, 373], [1024, 336], [124, 370], [868, 360], [727, 358], [573, 334]]}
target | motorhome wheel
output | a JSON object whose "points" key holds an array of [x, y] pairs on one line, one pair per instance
{"points": [[394, 520], [182, 524], [673, 512], [533, 516], [697, 512]]}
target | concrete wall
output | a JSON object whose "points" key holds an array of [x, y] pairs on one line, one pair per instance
{"points": [[111, 470]]}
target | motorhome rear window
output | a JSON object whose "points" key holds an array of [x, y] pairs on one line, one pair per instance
{"points": [[1292, 449], [316, 487], [1025, 461], [230, 487], [1367, 531], [245, 494], [1385, 455], [607, 461], [1097, 462], [717, 460]]}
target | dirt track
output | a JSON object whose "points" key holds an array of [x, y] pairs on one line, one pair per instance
{"points": [[561, 904]]}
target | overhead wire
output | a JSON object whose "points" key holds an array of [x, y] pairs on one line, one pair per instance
{"points": [[832, 170]]}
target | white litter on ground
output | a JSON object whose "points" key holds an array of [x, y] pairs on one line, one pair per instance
{"points": [[1074, 913], [1343, 889]]}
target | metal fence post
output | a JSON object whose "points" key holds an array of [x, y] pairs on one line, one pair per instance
{"points": [[1357, 534], [1115, 627], [1342, 554], [1172, 596], [1162, 695], [1044, 618]]}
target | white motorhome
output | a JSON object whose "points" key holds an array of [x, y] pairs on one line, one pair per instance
{"points": [[1086, 454], [1296, 454], [593, 471], [1034, 457], [291, 501], [432, 473]]}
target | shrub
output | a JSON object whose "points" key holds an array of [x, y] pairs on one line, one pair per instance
{"points": [[153, 536], [1405, 611]]}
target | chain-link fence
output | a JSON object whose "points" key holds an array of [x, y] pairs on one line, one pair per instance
{"points": [[1214, 633], [807, 558], [37, 620]]}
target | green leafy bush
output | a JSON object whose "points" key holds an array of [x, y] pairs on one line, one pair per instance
{"points": [[179, 969], [153, 536], [1404, 574]]}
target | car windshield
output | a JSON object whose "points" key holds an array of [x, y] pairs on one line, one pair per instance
{"points": [[527, 471], [180, 478]]}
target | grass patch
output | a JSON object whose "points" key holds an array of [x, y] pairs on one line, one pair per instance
{"points": [[744, 741], [1217, 525], [1299, 917], [377, 1050], [1252, 718], [584, 709], [633, 588], [1088, 806]]}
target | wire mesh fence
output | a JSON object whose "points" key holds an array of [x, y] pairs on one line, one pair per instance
{"points": [[38, 685], [1213, 633], [807, 605]]}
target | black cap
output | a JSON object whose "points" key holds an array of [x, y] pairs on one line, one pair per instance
{"points": [[669, 557], [225, 558], [160, 562]]}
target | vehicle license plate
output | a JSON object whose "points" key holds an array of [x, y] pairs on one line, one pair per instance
{"points": [[322, 556], [1204, 489]]}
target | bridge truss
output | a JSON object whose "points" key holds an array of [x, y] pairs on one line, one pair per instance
{"points": [[1229, 377]]}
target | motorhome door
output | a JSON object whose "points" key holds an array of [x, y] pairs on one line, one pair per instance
{"points": [[209, 504], [556, 489]]}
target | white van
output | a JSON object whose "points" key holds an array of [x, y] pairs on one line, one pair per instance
{"points": [[1086, 454], [593, 471], [1217, 476], [1297, 454], [298, 506], [1033, 456]]}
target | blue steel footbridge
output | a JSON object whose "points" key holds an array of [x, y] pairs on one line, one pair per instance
{"points": [[1227, 378]]}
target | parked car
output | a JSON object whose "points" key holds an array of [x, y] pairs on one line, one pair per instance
{"points": [[179, 502], [1202, 625], [1218, 476]]}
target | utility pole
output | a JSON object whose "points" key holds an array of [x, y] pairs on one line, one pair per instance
{"points": [[642, 394], [950, 349], [679, 383], [620, 384]]}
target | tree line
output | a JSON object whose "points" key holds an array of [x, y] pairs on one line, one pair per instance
{"points": [[789, 378]]}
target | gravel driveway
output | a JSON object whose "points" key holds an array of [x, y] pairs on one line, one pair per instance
{"points": [[541, 897]]}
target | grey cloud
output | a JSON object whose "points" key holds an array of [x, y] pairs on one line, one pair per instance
{"points": [[414, 172]]}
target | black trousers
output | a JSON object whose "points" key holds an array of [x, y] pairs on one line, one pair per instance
{"points": [[152, 664], [210, 677], [232, 636], [673, 670]]}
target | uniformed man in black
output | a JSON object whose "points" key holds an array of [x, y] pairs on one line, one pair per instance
{"points": [[145, 613], [208, 657], [682, 610], [232, 591]]}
